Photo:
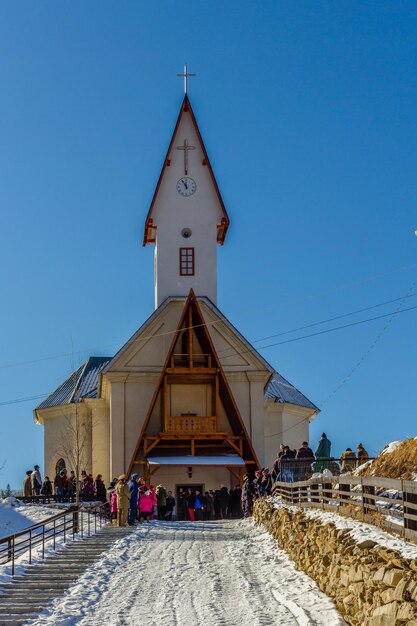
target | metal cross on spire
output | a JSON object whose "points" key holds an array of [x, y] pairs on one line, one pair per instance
{"points": [[185, 147], [186, 75]]}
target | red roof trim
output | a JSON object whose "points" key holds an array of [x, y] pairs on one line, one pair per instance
{"points": [[222, 228]]}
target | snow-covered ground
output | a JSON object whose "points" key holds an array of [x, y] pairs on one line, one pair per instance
{"points": [[228, 573], [15, 516]]}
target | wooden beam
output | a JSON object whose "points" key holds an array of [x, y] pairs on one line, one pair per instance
{"points": [[217, 402], [234, 446], [235, 474], [178, 370], [165, 402], [152, 446], [178, 436], [190, 337], [193, 447]]}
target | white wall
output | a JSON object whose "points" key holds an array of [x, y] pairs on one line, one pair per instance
{"points": [[172, 213]]}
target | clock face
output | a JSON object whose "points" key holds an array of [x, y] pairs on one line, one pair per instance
{"points": [[186, 186]]}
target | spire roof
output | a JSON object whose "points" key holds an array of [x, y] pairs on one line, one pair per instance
{"points": [[149, 231]]}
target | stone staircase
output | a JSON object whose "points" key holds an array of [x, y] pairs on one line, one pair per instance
{"points": [[27, 595]]}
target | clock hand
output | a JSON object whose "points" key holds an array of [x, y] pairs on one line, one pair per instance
{"points": [[185, 184]]}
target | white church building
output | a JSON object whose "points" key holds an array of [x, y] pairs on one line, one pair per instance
{"points": [[187, 398]]}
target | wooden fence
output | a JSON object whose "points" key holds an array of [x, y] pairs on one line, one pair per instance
{"points": [[392, 501]]}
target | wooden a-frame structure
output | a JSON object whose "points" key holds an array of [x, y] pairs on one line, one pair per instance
{"points": [[192, 360]]}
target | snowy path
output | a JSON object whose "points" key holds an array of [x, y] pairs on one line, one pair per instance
{"points": [[182, 574]]}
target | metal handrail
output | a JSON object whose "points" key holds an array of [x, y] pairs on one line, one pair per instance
{"points": [[65, 523]]}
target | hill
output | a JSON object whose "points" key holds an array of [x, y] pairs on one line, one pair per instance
{"points": [[396, 460]]}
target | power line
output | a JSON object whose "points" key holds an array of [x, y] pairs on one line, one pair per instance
{"points": [[329, 330], [372, 345], [222, 319], [322, 332], [330, 319], [27, 399]]}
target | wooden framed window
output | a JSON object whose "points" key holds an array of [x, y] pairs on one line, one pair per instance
{"points": [[186, 261]]}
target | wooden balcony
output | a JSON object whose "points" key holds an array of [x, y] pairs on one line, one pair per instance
{"points": [[190, 360], [190, 424]]}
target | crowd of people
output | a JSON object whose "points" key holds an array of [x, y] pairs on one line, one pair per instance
{"points": [[294, 465], [298, 465], [64, 486], [133, 501]]}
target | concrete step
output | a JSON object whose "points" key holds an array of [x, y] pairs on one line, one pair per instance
{"points": [[18, 609], [49, 577], [22, 620], [27, 595], [53, 581]]}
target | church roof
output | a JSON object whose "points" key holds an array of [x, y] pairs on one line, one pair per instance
{"points": [[282, 391], [82, 383], [224, 225]]}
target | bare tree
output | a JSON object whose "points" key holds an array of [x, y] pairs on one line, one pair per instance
{"points": [[74, 437], [73, 444]]}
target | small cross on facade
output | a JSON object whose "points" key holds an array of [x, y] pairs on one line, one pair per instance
{"points": [[186, 75], [185, 147]]}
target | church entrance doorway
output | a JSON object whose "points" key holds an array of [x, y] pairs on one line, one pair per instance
{"points": [[181, 499]]}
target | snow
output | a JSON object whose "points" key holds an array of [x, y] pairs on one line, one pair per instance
{"points": [[15, 516], [224, 573], [359, 531], [391, 447]]}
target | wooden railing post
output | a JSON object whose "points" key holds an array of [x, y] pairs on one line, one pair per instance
{"points": [[314, 489], [367, 489], [344, 487], [409, 489]]}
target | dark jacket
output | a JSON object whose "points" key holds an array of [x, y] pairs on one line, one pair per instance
{"points": [[305, 453], [223, 497], [59, 481], [190, 500], [46, 489], [101, 491], [170, 503]]}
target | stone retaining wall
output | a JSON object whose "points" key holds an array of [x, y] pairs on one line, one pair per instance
{"points": [[369, 584]]}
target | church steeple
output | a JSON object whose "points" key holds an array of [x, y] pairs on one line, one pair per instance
{"points": [[187, 217]]}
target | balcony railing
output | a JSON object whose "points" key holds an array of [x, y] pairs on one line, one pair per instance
{"points": [[196, 360], [191, 424]]}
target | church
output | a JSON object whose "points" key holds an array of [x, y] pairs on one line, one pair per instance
{"points": [[187, 401]]}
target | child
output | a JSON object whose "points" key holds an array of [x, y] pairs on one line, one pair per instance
{"points": [[113, 502], [154, 502], [145, 505]]}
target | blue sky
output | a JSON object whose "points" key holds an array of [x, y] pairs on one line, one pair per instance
{"points": [[307, 110]]}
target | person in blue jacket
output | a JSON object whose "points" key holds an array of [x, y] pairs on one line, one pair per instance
{"points": [[133, 488]]}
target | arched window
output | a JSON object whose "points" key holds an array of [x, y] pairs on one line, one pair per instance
{"points": [[60, 465]]}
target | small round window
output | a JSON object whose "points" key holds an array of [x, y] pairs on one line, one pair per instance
{"points": [[186, 233]]}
